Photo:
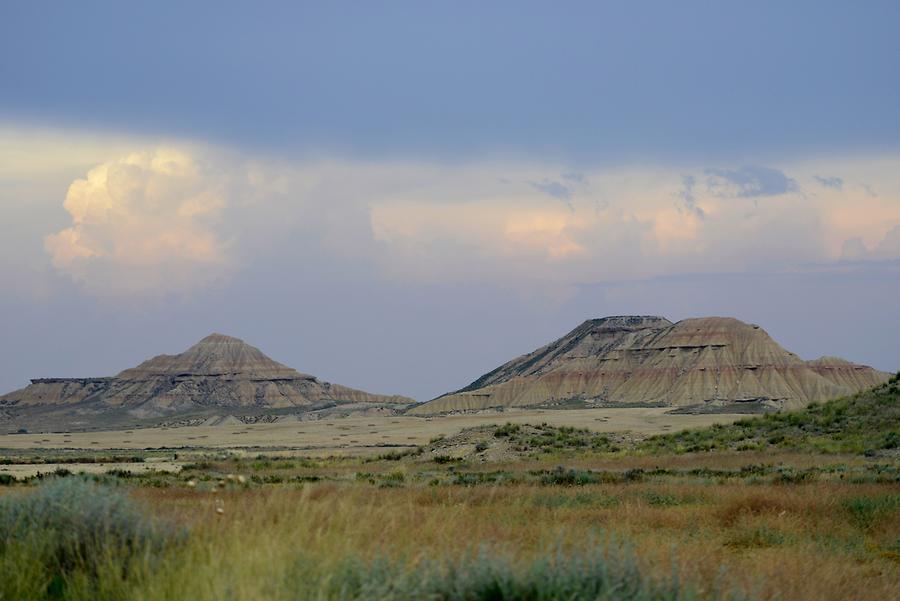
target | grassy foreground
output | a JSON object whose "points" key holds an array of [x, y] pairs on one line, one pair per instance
{"points": [[564, 515], [645, 540]]}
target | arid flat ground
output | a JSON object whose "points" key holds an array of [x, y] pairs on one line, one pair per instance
{"points": [[29, 470], [358, 435]]}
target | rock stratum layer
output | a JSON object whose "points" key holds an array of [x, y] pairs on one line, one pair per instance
{"points": [[219, 373], [705, 362]]}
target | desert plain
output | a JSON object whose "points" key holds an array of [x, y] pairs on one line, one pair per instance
{"points": [[349, 436]]}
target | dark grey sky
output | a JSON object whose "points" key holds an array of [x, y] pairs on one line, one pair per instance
{"points": [[581, 80]]}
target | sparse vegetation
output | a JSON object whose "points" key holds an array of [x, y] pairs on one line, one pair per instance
{"points": [[867, 423], [534, 440], [397, 455], [506, 430], [502, 512], [633, 538], [570, 477], [442, 459], [868, 511]]}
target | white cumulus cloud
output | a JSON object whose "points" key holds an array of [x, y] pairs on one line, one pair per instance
{"points": [[144, 225]]}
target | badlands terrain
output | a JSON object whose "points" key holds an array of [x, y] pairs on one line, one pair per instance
{"points": [[798, 505], [209, 383], [703, 364], [631, 459]]}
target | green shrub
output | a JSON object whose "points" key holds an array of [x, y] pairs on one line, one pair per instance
{"points": [[633, 475], [395, 455], [72, 529], [891, 440], [603, 443], [865, 512], [200, 465], [507, 430], [570, 477], [442, 459], [394, 477], [792, 476], [598, 573], [120, 473]]}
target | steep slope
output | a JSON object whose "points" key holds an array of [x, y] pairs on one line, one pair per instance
{"points": [[219, 372], [709, 361]]}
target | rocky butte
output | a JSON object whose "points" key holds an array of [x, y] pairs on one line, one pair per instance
{"points": [[696, 365], [219, 375]]}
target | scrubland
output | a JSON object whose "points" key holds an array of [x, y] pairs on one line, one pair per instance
{"points": [[797, 506]]}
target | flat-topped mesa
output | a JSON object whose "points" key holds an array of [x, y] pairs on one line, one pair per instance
{"points": [[611, 329], [216, 355], [649, 360], [628, 322]]}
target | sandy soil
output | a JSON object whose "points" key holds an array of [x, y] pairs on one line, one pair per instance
{"points": [[357, 435]]}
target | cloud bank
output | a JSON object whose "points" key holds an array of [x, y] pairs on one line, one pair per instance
{"points": [[173, 220]]}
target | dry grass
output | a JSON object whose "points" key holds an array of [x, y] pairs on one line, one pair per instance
{"points": [[824, 538], [786, 542], [781, 524]]}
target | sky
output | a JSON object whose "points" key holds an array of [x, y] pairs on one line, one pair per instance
{"points": [[400, 196]]}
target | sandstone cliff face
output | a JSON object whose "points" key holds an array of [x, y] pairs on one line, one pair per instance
{"points": [[217, 372], [650, 360]]}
